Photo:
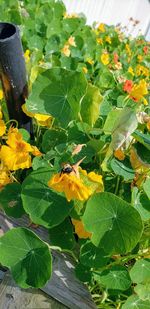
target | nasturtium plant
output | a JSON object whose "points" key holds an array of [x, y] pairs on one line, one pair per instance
{"points": [[10, 200], [30, 262], [114, 224], [115, 278], [44, 206], [82, 169]]}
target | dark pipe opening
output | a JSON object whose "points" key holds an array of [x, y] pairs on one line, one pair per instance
{"points": [[6, 30]]}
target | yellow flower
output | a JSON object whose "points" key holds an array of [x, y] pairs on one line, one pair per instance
{"points": [[85, 70], [108, 39], [27, 55], [101, 27], [119, 154], [2, 125], [73, 15], [72, 186], [65, 50], [90, 61], [141, 70], [4, 177], [99, 41], [139, 58], [148, 125], [138, 91], [130, 70], [95, 177], [80, 230], [43, 120], [93, 180], [105, 58], [1, 94], [71, 41], [17, 154], [128, 50]]}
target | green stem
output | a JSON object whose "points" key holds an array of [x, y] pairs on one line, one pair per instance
{"points": [[64, 251], [117, 185]]}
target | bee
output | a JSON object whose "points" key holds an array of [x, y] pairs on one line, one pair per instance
{"points": [[67, 169]]}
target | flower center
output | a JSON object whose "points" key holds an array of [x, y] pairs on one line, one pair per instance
{"points": [[20, 146]]}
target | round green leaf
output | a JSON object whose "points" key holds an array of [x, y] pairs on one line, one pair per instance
{"points": [[83, 273], [54, 92], [44, 206], [65, 229], [134, 302], [143, 290], [27, 256], [115, 278], [114, 224], [39, 162], [53, 137], [10, 200], [92, 256], [140, 272]]}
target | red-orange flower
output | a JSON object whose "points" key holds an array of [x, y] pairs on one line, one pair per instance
{"points": [[116, 58], [145, 49], [127, 87]]}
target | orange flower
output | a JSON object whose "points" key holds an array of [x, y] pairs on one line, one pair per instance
{"points": [[119, 154], [71, 41], [127, 87], [148, 125], [65, 50], [80, 230], [145, 49], [116, 58]]}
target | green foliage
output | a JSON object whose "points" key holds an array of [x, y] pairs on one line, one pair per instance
{"points": [[92, 118], [30, 257], [10, 200], [65, 229], [92, 256], [44, 206], [54, 93], [115, 278], [133, 301], [114, 224]]}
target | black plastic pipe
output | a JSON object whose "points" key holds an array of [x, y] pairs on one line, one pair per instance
{"points": [[13, 73]]}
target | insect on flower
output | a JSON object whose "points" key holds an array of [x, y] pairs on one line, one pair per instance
{"points": [[67, 169]]}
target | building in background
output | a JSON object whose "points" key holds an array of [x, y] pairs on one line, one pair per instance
{"points": [[113, 12]]}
